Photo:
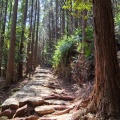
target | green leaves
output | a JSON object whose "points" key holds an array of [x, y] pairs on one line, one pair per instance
{"points": [[67, 45], [78, 5], [63, 50]]}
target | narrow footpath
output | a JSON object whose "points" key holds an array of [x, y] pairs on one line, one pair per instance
{"points": [[45, 97]]}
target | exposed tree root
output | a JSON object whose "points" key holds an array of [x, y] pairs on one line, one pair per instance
{"points": [[63, 112], [79, 114], [60, 97], [60, 107]]}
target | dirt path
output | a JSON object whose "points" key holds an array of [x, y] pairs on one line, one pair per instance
{"points": [[44, 97]]}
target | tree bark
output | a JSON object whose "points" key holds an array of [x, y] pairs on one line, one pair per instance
{"points": [[1, 35], [33, 38], [106, 97], [56, 20], [10, 65], [20, 70], [36, 42], [28, 67]]}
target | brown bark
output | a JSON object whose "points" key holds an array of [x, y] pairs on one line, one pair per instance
{"points": [[29, 42], [56, 20], [10, 65], [63, 22], [84, 25], [76, 20], [1, 7], [36, 42], [33, 38], [106, 95], [3, 36]]}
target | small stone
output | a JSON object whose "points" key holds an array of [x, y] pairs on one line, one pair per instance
{"points": [[21, 111], [27, 118], [36, 101], [10, 103], [23, 101], [32, 118], [8, 113], [44, 109]]}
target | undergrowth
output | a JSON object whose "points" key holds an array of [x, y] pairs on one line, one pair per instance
{"points": [[68, 49]]}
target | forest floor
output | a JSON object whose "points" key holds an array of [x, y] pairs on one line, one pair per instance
{"points": [[44, 97]]}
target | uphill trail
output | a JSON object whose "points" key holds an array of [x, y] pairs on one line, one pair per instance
{"points": [[45, 97]]}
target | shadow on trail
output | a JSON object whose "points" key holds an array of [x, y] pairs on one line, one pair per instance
{"points": [[50, 100]]}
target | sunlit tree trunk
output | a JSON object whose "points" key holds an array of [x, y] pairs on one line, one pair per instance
{"points": [[106, 97]]}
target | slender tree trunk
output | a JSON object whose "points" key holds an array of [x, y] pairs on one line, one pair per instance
{"points": [[3, 35], [56, 20], [106, 97], [36, 43], [28, 67], [67, 22], [20, 70], [33, 38], [71, 18], [63, 22], [50, 34], [84, 23], [1, 20], [76, 20], [10, 14], [10, 74]]}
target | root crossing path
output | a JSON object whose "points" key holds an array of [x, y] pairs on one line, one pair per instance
{"points": [[44, 97]]}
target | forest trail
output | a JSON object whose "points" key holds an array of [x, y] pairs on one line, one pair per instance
{"points": [[45, 97]]}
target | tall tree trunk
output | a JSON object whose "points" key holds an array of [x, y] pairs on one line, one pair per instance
{"points": [[63, 22], [50, 34], [1, 20], [106, 97], [10, 65], [67, 22], [84, 23], [3, 34], [29, 42], [10, 13], [36, 42], [71, 18], [56, 20], [76, 20], [20, 70], [33, 38]]}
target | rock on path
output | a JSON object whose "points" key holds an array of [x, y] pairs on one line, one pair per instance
{"points": [[30, 103]]}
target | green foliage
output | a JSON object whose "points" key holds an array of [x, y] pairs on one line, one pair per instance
{"points": [[78, 5], [68, 46], [117, 26], [63, 50], [88, 47]]}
